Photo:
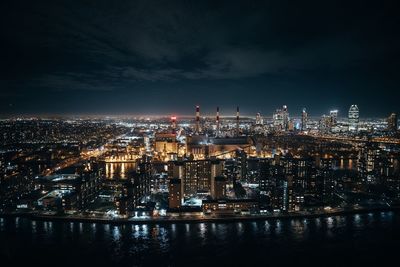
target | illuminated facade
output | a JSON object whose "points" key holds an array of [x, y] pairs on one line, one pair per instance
{"points": [[259, 119], [218, 188], [304, 120], [392, 122], [197, 176], [174, 193], [166, 145], [230, 206], [333, 114], [281, 119], [201, 146], [354, 118]]}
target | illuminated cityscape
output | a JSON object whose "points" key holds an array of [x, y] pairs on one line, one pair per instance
{"points": [[180, 133], [161, 167]]}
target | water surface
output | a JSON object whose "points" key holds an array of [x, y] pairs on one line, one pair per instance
{"points": [[351, 240]]}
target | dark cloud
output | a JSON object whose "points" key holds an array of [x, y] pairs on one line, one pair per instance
{"points": [[99, 54]]}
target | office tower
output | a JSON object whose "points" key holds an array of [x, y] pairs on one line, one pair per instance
{"points": [[392, 122], [333, 117], [259, 119], [290, 126], [285, 117], [354, 117], [278, 120], [304, 120], [281, 119]]}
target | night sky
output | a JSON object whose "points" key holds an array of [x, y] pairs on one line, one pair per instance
{"points": [[164, 57]]}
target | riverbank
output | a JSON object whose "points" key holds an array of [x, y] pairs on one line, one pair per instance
{"points": [[197, 218]]}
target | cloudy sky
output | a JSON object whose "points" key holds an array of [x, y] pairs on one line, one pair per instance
{"points": [[163, 57]]}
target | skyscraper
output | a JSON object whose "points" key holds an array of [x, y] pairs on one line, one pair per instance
{"points": [[354, 118], [281, 119], [392, 122], [333, 116], [304, 119], [285, 117], [259, 119]]}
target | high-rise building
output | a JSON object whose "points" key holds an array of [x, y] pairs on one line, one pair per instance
{"points": [[259, 119], [219, 188], [278, 120], [304, 120], [324, 124], [174, 196], [392, 122], [333, 116], [281, 119], [285, 117], [133, 190], [197, 176], [354, 117]]}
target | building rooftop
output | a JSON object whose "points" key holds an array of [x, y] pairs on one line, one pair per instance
{"points": [[60, 177], [221, 201], [204, 140]]}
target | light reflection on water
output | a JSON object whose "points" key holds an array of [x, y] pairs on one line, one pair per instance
{"points": [[203, 230], [278, 228], [170, 241], [119, 170], [34, 230], [116, 233], [267, 226], [239, 228], [299, 228]]}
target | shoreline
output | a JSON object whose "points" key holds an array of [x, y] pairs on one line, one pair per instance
{"points": [[203, 219]]}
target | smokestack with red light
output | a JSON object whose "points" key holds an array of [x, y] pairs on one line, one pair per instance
{"points": [[173, 122], [197, 119], [237, 120], [217, 134]]}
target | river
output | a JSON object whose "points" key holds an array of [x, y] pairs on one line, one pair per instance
{"points": [[349, 240]]}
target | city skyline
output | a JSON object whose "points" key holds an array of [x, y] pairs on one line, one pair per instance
{"points": [[199, 133], [230, 112]]}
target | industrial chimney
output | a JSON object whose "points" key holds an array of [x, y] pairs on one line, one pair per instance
{"points": [[173, 122], [217, 121], [237, 121], [197, 119]]}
